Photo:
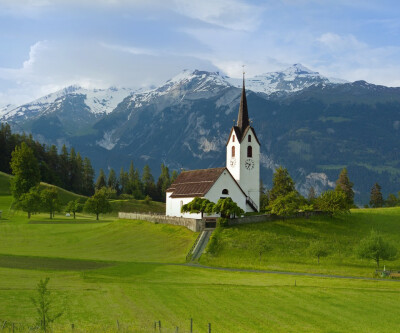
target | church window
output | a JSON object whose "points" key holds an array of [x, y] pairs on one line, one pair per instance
{"points": [[233, 138], [249, 138], [233, 151], [225, 191], [249, 151]]}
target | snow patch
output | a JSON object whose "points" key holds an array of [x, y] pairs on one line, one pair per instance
{"points": [[107, 142]]}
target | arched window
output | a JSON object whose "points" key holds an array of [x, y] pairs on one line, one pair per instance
{"points": [[249, 151], [249, 138], [233, 151], [233, 138], [225, 191]]}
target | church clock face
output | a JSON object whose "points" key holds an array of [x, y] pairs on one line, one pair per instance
{"points": [[249, 164], [233, 162]]}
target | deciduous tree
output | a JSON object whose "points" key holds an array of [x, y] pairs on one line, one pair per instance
{"points": [[376, 248], [50, 201], [30, 202], [26, 170], [74, 207], [227, 208], [318, 249], [198, 205], [333, 202], [44, 303], [98, 203], [285, 205]]}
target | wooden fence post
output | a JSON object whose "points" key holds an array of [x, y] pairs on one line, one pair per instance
{"points": [[191, 325], [209, 327], [72, 326], [117, 325], [159, 326]]}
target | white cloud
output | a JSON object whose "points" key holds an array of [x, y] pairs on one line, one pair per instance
{"points": [[337, 43], [230, 14]]}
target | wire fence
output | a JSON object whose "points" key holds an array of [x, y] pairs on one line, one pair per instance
{"points": [[119, 327]]}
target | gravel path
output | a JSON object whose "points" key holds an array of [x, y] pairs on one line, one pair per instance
{"points": [[289, 273]]}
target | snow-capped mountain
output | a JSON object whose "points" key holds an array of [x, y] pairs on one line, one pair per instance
{"points": [[188, 84], [96, 101], [306, 122], [292, 79]]}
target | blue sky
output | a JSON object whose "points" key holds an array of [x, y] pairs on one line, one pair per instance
{"points": [[46, 45]]}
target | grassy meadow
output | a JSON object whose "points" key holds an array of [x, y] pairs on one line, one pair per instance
{"points": [[133, 272], [285, 244]]}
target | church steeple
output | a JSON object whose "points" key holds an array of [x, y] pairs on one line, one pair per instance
{"points": [[243, 116]]}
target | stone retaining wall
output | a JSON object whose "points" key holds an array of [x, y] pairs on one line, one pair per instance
{"points": [[195, 225], [270, 217]]}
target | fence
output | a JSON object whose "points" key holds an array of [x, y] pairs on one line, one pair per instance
{"points": [[153, 327]]}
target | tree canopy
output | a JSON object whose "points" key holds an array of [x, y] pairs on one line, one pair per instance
{"points": [[346, 186], [98, 203], [227, 208], [376, 248], [376, 198], [333, 202], [25, 168], [283, 184]]}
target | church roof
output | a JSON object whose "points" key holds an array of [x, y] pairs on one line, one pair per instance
{"points": [[243, 121], [243, 116], [194, 183]]}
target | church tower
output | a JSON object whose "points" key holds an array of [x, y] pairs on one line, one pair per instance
{"points": [[243, 155]]}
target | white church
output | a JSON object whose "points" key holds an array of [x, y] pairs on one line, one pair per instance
{"points": [[240, 179]]}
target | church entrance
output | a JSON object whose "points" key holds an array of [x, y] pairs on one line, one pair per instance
{"points": [[210, 223]]}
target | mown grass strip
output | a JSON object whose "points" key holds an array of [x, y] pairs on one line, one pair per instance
{"points": [[53, 264]]}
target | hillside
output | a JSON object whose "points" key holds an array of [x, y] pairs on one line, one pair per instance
{"points": [[305, 122], [285, 244], [64, 195], [132, 271]]}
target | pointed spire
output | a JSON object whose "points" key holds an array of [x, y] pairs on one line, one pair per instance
{"points": [[243, 117]]}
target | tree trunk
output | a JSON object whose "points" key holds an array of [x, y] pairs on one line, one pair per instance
{"points": [[74, 215], [377, 261], [29, 215], [51, 214], [97, 216], [318, 259]]}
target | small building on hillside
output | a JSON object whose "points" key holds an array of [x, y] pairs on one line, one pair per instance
{"points": [[239, 179]]}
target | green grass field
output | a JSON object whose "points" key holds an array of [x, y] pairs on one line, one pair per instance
{"points": [[288, 243], [132, 272]]}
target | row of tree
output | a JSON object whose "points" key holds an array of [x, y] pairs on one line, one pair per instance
{"points": [[284, 200], [136, 185], [377, 200], [67, 169], [38, 200]]}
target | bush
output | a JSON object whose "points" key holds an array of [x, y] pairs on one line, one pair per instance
{"points": [[222, 221]]}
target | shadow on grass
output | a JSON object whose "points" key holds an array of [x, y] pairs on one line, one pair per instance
{"points": [[53, 264], [69, 222]]}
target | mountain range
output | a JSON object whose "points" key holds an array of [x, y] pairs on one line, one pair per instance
{"points": [[309, 123]]}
